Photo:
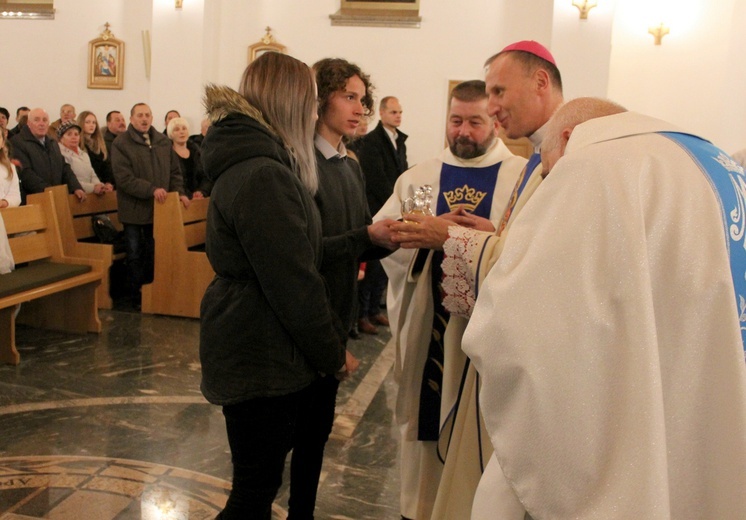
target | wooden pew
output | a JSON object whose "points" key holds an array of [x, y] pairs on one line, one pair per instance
{"points": [[181, 276], [58, 291], [74, 218]]}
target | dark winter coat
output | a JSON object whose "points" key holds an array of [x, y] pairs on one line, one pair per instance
{"points": [[266, 325], [42, 165], [139, 170], [382, 164]]}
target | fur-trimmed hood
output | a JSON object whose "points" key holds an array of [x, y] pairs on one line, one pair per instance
{"points": [[238, 133], [221, 101]]}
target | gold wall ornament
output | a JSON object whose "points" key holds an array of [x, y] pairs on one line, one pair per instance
{"points": [[659, 32], [266, 44], [584, 7], [106, 61], [378, 13], [26, 9], [178, 4]]}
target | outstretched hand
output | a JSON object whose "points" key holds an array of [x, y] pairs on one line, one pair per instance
{"points": [[420, 231], [463, 218], [380, 234]]}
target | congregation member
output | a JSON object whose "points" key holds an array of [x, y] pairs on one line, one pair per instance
{"points": [[171, 114], [67, 113], [10, 191], [42, 164], [21, 112], [115, 126], [472, 178], [92, 140], [354, 143], [344, 94], [196, 184], [145, 169], [267, 328], [68, 139], [4, 118], [524, 88], [203, 128], [383, 157], [607, 335]]}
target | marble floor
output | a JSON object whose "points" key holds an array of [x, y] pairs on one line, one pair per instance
{"points": [[114, 427]]}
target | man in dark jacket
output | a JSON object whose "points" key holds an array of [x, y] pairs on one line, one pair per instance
{"points": [[115, 126], [383, 157], [20, 112], [145, 168], [344, 96], [42, 164]]}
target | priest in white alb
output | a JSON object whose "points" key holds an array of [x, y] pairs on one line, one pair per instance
{"points": [[608, 334], [471, 182]]}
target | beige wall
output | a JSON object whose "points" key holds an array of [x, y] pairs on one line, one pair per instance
{"points": [[694, 79]]}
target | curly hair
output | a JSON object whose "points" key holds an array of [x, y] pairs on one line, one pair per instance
{"points": [[332, 75]]}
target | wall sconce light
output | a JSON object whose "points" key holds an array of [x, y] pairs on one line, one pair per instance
{"points": [[584, 7], [179, 4], [659, 32]]}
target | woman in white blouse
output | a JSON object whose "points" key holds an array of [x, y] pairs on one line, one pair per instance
{"points": [[10, 191], [68, 137]]}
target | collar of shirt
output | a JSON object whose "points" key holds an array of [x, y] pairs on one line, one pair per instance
{"points": [[69, 151], [537, 137], [392, 135], [327, 150]]}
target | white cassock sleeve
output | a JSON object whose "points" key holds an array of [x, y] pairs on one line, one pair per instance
{"points": [[608, 343]]}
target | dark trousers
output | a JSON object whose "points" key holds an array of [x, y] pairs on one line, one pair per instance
{"points": [[260, 434], [370, 289], [140, 249], [315, 421]]}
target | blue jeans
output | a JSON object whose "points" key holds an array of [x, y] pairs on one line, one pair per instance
{"points": [[140, 249]]}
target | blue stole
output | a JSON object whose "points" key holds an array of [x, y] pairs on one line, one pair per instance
{"points": [[728, 182], [468, 187], [533, 162]]}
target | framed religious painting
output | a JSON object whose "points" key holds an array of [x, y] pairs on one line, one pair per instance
{"points": [[106, 61], [266, 44], [378, 13]]}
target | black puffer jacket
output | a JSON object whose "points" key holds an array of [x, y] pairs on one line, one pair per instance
{"points": [[266, 327]]}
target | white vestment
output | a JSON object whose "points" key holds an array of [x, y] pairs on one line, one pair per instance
{"points": [[410, 310], [740, 157], [608, 341], [469, 255]]}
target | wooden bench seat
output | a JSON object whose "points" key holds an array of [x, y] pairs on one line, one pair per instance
{"points": [[36, 275], [58, 291], [76, 230], [181, 274]]}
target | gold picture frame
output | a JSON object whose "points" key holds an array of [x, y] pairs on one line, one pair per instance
{"points": [[378, 13], [266, 44], [106, 61], [383, 7]]}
